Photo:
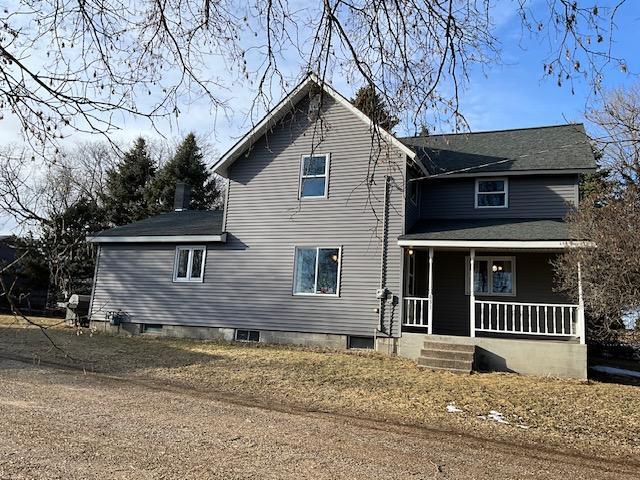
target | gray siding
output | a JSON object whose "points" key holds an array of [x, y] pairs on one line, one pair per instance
{"points": [[412, 212], [534, 283], [542, 196], [248, 281]]}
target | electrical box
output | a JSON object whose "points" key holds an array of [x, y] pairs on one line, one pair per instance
{"points": [[382, 293]]}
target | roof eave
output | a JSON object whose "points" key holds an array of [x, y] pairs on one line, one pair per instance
{"points": [[498, 244], [222, 238], [513, 173]]}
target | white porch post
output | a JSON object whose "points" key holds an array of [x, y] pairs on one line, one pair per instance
{"points": [[581, 321], [472, 295], [430, 306]]}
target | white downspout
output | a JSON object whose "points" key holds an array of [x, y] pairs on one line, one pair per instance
{"points": [[581, 320]]}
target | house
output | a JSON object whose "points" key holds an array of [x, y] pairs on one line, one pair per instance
{"points": [[337, 234]]}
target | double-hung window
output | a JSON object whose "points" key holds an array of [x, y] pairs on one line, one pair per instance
{"points": [[492, 276], [314, 176], [492, 193], [317, 271], [189, 264]]}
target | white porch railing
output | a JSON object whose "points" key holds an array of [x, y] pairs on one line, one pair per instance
{"points": [[547, 319], [416, 312]]}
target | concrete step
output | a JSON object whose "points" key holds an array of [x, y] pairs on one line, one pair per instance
{"points": [[447, 354], [457, 347], [441, 369], [432, 362]]}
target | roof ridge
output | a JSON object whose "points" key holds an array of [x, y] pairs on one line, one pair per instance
{"points": [[559, 125]]}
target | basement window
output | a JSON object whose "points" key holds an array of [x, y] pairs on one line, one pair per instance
{"points": [[247, 335], [360, 342], [151, 328]]}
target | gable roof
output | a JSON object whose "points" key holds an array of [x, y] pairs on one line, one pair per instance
{"points": [[285, 105], [186, 225], [551, 148]]}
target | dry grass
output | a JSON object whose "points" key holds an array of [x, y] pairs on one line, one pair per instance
{"points": [[597, 417]]}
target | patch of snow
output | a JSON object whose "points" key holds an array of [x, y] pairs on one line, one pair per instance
{"points": [[496, 417], [451, 408], [525, 427], [616, 371]]}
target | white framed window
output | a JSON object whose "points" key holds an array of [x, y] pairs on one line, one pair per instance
{"points": [[492, 193], [316, 271], [189, 264], [314, 176], [493, 276]]}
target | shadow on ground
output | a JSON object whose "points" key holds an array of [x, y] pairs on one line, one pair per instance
{"points": [[100, 353]]}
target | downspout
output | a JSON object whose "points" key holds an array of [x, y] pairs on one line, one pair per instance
{"points": [[383, 256]]}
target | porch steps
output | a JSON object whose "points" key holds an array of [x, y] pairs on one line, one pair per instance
{"points": [[453, 357]]}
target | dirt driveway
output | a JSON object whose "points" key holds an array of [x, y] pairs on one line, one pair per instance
{"points": [[58, 423]]}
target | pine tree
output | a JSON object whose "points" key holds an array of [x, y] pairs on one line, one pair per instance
{"points": [[369, 102], [125, 200], [187, 165]]}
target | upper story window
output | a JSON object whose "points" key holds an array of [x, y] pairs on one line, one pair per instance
{"points": [[314, 176], [316, 271], [492, 193], [189, 264]]}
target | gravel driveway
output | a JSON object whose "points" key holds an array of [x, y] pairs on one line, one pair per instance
{"points": [[59, 423]]}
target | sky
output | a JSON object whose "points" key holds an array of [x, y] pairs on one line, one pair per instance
{"points": [[512, 94]]}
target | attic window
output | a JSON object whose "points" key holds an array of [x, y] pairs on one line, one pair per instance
{"points": [[492, 193]]}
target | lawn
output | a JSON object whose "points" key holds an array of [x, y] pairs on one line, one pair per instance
{"points": [[592, 417]]}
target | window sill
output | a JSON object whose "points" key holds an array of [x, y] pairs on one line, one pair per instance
{"points": [[188, 281], [330, 295]]}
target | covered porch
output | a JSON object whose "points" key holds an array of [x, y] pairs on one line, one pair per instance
{"points": [[513, 294]]}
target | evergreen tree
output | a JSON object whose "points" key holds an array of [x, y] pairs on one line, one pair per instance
{"points": [[369, 102], [187, 165], [125, 200]]}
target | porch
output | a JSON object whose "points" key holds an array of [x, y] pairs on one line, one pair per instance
{"points": [[510, 262], [513, 295]]}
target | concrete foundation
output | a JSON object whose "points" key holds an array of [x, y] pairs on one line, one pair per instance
{"points": [[528, 357], [321, 340]]}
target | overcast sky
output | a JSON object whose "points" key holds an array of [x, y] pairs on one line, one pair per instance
{"points": [[511, 95]]}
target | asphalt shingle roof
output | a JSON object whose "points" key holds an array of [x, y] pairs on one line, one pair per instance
{"points": [[187, 222], [489, 229], [558, 147]]}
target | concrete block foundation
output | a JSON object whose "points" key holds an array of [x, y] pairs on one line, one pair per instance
{"points": [[320, 340], [562, 359]]}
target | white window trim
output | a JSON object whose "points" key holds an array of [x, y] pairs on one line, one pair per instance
{"points": [[490, 259], [188, 278], [315, 283], [505, 191], [327, 157]]}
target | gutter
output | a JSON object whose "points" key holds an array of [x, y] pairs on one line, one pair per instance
{"points": [[222, 238]]}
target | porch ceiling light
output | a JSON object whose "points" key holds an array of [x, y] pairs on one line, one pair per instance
{"points": [[410, 251]]}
